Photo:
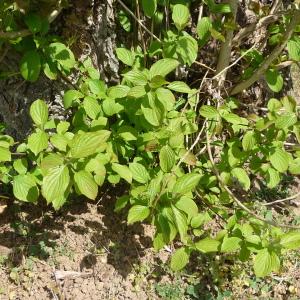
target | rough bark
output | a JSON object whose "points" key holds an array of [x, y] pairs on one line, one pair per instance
{"points": [[89, 22]]}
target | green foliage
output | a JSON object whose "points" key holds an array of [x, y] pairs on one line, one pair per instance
{"points": [[148, 130]]}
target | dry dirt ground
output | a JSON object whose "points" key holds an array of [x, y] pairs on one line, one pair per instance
{"points": [[86, 251]]}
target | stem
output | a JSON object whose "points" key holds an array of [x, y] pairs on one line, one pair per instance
{"points": [[274, 54]]}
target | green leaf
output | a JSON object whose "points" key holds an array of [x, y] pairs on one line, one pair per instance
{"points": [[249, 140], [242, 176], [124, 20], [294, 167], [97, 87], [70, 96], [187, 183], [137, 91], [272, 178], [166, 159], [121, 203], [86, 144], [136, 77], [123, 171], [207, 245], [230, 244], [118, 91], [91, 107], [179, 259], [203, 29], [30, 65], [139, 172], [180, 16], [33, 22], [286, 121], [274, 80], [235, 119], [38, 142], [280, 160], [126, 56], [62, 54], [55, 185], [265, 262], [293, 47], [181, 223], [290, 240], [187, 205], [187, 49], [166, 97], [21, 165], [39, 112], [137, 213], [208, 112], [163, 67], [86, 184], [25, 188], [51, 161], [180, 87], [5, 154], [149, 7]]}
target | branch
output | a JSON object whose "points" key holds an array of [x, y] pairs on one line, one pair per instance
{"points": [[235, 199], [282, 200], [274, 54], [225, 52]]}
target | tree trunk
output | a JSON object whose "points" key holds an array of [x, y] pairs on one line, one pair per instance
{"points": [[92, 24]]}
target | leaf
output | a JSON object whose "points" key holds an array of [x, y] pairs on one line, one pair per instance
{"points": [[294, 167], [187, 183], [70, 96], [139, 172], [273, 178], [179, 259], [86, 144], [179, 86], [187, 49], [166, 159], [166, 97], [265, 262], [86, 184], [207, 245], [286, 121], [39, 112], [188, 206], [235, 119], [203, 29], [126, 56], [55, 185], [62, 54], [242, 176], [208, 112], [30, 65], [91, 107], [21, 165], [137, 213], [274, 80], [249, 140], [123, 171], [33, 22], [180, 16], [5, 154], [136, 77], [230, 244], [38, 142], [149, 7], [25, 188], [50, 161], [118, 91], [181, 223], [290, 240], [293, 46], [97, 87], [121, 203], [163, 67], [280, 160]]}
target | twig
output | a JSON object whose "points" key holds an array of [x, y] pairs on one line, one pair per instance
{"points": [[11, 35], [4, 197], [137, 20], [225, 51], [204, 65], [235, 199], [282, 200], [274, 54]]}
